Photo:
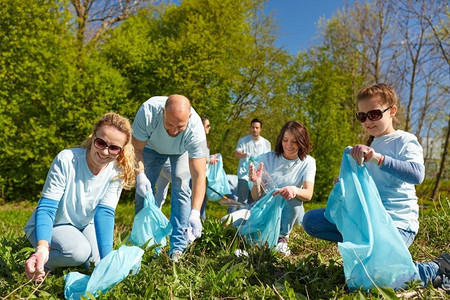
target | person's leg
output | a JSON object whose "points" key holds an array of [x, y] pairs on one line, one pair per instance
{"points": [[180, 201], [68, 247], [316, 225], [89, 233], [153, 162], [203, 209], [407, 236], [292, 211], [243, 191], [428, 271], [162, 186]]}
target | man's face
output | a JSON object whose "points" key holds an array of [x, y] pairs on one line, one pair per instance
{"points": [[175, 123], [256, 129]]}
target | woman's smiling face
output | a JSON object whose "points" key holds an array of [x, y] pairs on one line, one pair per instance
{"points": [[290, 145]]}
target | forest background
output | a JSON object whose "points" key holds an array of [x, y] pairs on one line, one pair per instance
{"points": [[63, 64]]}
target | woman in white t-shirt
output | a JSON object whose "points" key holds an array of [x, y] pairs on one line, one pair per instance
{"points": [[292, 171], [73, 223]]}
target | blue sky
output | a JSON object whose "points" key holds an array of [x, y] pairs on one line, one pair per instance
{"points": [[297, 20]]}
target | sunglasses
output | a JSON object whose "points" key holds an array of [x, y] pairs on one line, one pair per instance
{"points": [[373, 115], [112, 149]]}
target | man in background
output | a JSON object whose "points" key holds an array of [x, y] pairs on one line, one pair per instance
{"points": [[251, 145]]}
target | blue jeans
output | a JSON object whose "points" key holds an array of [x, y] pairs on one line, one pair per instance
{"points": [[71, 247], [162, 184], [180, 194], [316, 225], [244, 193], [292, 214]]}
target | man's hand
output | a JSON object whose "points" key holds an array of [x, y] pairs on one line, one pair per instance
{"points": [[34, 266], [143, 185], [195, 223]]}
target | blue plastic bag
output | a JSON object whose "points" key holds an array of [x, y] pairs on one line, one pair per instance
{"points": [[217, 180], [111, 270], [373, 251], [150, 224], [263, 225]]}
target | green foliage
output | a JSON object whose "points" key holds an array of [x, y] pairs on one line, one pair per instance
{"points": [[324, 100], [220, 54], [210, 270], [50, 96]]}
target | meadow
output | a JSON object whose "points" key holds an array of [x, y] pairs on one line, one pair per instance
{"points": [[210, 269]]}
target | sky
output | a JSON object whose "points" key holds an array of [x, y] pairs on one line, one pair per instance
{"points": [[297, 20]]}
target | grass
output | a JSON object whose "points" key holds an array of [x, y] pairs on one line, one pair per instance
{"points": [[210, 270]]}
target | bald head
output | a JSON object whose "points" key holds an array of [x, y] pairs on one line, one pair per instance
{"points": [[177, 111], [177, 104]]}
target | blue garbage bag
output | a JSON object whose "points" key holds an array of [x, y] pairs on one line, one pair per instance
{"points": [[111, 270], [75, 285], [217, 181], [150, 224], [373, 251], [263, 225]]}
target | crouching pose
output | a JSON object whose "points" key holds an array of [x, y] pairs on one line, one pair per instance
{"points": [[292, 171], [74, 221], [394, 159]]}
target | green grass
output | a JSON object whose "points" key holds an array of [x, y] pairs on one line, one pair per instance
{"points": [[210, 270]]}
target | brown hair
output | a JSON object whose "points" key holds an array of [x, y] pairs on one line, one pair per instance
{"points": [[301, 135], [126, 160], [383, 93]]}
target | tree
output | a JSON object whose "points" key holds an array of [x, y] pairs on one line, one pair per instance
{"points": [[403, 44], [47, 104], [220, 54]]}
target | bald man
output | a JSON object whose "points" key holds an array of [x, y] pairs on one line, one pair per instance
{"points": [[169, 128]]}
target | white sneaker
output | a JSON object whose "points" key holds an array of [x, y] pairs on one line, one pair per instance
{"points": [[240, 253], [282, 247], [176, 255]]}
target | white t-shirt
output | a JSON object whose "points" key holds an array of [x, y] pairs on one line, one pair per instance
{"points": [[148, 126], [253, 149], [78, 191], [398, 197], [287, 172]]}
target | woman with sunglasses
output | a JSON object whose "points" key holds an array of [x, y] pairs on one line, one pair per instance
{"points": [[394, 159], [73, 223]]}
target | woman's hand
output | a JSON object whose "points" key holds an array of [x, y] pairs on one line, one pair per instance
{"points": [[255, 175], [288, 192], [34, 266]]}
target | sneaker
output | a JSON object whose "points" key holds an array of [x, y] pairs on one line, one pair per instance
{"points": [[443, 278], [282, 246], [176, 256]]}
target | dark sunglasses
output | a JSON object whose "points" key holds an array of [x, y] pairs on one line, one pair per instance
{"points": [[101, 144], [373, 115]]}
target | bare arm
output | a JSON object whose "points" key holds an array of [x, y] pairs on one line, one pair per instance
{"points": [[138, 148], [290, 191], [198, 174], [306, 192], [257, 191], [240, 154]]}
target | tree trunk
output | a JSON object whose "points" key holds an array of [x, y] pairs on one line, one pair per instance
{"points": [[442, 166]]}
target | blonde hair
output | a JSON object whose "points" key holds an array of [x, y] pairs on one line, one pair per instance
{"points": [[384, 94], [126, 159]]}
